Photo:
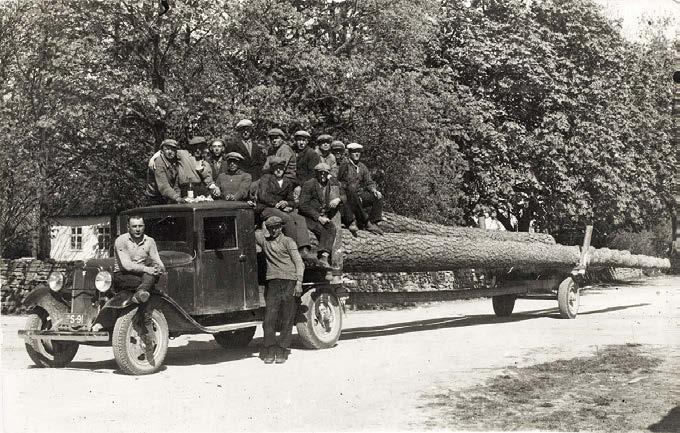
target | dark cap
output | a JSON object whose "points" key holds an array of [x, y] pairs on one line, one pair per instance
{"points": [[273, 221], [276, 132], [337, 144], [234, 155], [324, 138], [170, 142]]}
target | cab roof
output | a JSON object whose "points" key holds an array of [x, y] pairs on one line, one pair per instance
{"points": [[190, 207]]}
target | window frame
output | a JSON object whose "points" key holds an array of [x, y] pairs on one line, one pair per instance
{"points": [[223, 248], [76, 238]]}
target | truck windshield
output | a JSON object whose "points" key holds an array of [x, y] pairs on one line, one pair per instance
{"points": [[170, 233]]}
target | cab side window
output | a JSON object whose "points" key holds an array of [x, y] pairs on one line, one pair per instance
{"points": [[219, 232]]}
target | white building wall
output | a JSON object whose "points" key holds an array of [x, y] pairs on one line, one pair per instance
{"points": [[61, 238]]}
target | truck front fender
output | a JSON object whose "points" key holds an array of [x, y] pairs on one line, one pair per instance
{"points": [[46, 299]]}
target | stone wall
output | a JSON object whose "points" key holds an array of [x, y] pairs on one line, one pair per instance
{"points": [[19, 277]]}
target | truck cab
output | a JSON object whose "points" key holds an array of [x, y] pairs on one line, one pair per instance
{"points": [[214, 283]]}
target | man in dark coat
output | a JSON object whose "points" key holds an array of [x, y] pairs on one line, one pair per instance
{"points": [[233, 182], [307, 158], [275, 197], [364, 200], [320, 199], [253, 156]]}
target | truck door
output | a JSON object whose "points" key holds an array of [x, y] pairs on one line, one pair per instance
{"points": [[222, 265]]}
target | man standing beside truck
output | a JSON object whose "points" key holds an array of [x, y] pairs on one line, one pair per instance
{"points": [[285, 271]]}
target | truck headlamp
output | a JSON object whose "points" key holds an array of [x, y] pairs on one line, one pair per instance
{"points": [[103, 281], [56, 281]]}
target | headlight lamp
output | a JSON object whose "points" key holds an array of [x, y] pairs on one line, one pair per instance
{"points": [[103, 281], [56, 281]]}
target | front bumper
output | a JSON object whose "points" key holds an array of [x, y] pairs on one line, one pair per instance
{"points": [[27, 334]]}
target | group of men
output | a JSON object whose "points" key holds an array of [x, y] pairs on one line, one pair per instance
{"points": [[304, 183]]}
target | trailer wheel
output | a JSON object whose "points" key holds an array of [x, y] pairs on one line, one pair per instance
{"points": [[323, 320], [568, 298], [235, 339], [132, 354], [503, 305]]}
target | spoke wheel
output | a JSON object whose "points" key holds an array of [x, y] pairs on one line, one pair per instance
{"points": [[136, 351], [568, 299], [323, 320], [48, 353]]}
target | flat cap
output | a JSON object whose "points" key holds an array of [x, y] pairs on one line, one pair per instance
{"points": [[337, 144], [302, 133], [322, 166], [245, 123], [353, 147], [169, 142], [273, 221], [276, 132], [276, 160], [324, 138], [234, 155], [197, 140]]}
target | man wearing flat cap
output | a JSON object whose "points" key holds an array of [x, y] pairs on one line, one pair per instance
{"points": [[307, 158], [253, 156], [276, 197], [320, 199], [325, 155], [172, 171], [284, 151], [364, 200], [198, 146], [233, 182], [338, 151], [285, 271]]}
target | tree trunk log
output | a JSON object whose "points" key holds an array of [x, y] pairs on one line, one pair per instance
{"points": [[407, 252], [394, 223]]}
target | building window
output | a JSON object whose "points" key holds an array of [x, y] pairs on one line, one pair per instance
{"points": [[104, 238], [76, 238]]}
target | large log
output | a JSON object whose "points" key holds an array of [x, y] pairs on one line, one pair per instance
{"points": [[407, 252], [394, 223]]}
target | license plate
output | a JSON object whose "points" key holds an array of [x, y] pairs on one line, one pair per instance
{"points": [[73, 319]]}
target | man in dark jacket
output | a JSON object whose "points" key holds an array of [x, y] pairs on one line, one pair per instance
{"points": [[275, 197], [364, 200], [233, 182], [253, 157], [320, 199], [215, 157], [307, 158], [282, 150]]}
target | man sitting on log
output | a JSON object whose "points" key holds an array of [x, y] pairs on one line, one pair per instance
{"points": [[325, 155], [283, 150], [234, 182], [364, 201], [320, 199], [275, 197]]}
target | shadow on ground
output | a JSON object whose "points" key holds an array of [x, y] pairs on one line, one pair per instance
{"points": [[669, 423]]}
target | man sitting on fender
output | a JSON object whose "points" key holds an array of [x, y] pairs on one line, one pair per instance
{"points": [[275, 197], [361, 190], [320, 199]]}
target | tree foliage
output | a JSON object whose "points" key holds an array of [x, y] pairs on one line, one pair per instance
{"points": [[539, 108]]}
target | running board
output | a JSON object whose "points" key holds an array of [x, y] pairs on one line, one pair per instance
{"points": [[230, 326]]}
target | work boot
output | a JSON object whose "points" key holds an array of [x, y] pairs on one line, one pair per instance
{"points": [[141, 296], [281, 355], [353, 228], [323, 260], [373, 228], [268, 354]]}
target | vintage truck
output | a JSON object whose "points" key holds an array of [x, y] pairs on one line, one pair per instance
{"points": [[214, 284]]}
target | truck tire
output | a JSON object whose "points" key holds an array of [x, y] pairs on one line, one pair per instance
{"points": [[131, 354], [568, 298], [48, 353], [503, 305], [322, 323], [235, 339]]}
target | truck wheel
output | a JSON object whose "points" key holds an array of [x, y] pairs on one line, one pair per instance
{"points": [[323, 320], [48, 353], [235, 339], [132, 355], [568, 298], [503, 305]]}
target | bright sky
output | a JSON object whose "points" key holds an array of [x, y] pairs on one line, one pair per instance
{"points": [[632, 10]]}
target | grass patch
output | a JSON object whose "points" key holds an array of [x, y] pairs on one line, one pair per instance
{"points": [[610, 391]]}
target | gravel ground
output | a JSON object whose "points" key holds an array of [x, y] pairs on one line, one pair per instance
{"points": [[382, 375]]}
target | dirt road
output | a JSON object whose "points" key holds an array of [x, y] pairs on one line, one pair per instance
{"points": [[381, 375]]}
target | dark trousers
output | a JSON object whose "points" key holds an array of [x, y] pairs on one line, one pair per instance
{"points": [[134, 281], [325, 234], [279, 307], [364, 207], [294, 225]]}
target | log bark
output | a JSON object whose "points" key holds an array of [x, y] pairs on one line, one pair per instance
{"points": [[394, 223], [407, 252]]}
